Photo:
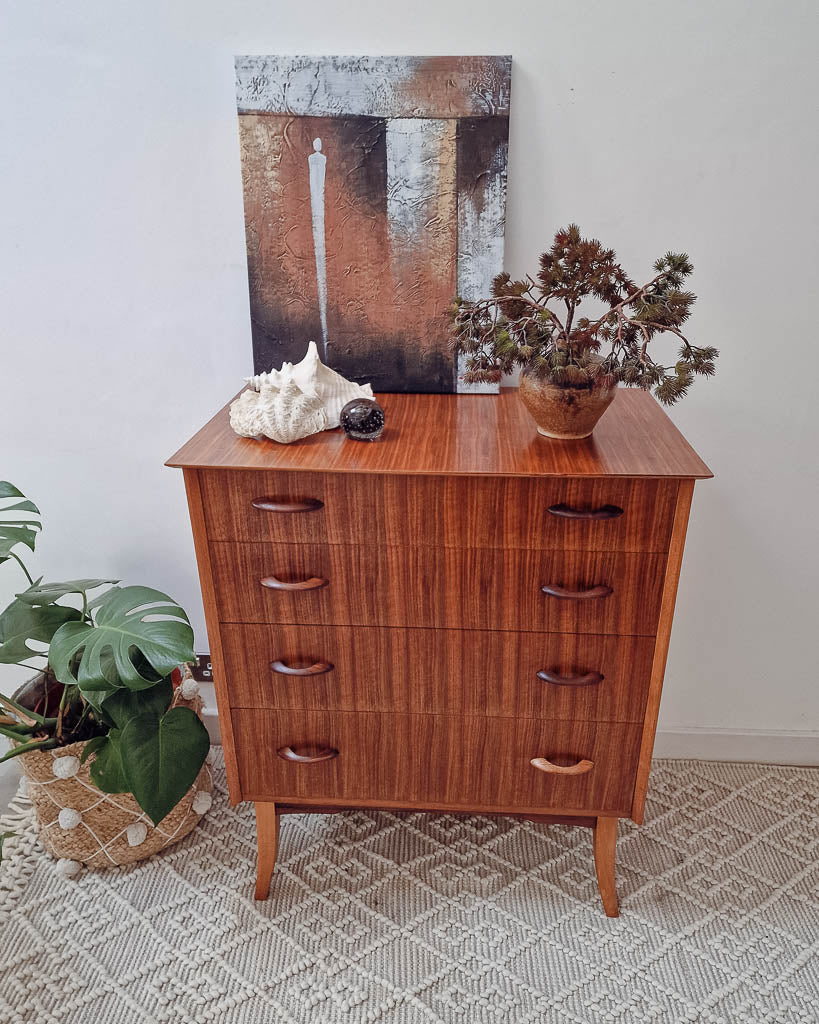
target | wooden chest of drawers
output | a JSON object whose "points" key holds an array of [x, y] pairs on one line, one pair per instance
{"points": [[463, 616]]}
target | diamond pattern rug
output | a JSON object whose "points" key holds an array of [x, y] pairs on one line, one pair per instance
{"points": [[415, 918]]}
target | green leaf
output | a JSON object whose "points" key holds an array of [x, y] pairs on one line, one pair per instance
{"points": [[48, 593], [91, 747], [106, 768], [19, 520], [102, 598], [123, 704], [161, 758], [129, 622], [21, 623]]}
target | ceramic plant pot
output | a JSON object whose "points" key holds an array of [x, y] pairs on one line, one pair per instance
{"points": [[561, 411]]}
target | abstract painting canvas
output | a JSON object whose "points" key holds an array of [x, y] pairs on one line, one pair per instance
{"points": [[374, 192]]}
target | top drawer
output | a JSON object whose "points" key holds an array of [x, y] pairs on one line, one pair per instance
{"points": [[606, 514]]}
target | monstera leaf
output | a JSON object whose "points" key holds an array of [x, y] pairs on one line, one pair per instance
{"points": [[123, 704], [21, 623], [128, 623], [47, 593], [106, 768], [161, 758], [19, 520]]}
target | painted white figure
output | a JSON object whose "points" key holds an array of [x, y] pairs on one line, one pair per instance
{"points": [[318, 165]]}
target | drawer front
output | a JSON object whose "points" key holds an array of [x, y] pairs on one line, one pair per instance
{"points": [[434, 759], [446, 587], [606, 514], [440, 671]]}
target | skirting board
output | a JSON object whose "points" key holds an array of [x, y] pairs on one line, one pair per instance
{"points": [[763, 747], [754, 745]]}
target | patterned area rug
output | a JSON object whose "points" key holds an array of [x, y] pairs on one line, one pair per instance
{"points": [[413, 918]]}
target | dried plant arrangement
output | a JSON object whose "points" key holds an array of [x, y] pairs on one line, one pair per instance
{"points": [[538, 323]]}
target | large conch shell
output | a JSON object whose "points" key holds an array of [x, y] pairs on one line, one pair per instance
{"points": [[312, 376], [282, 414], [294, 402]]}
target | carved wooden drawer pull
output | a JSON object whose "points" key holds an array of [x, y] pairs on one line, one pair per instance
{"points": [[314, 583], [324, 754], [589, 679], [544, 765], [272, 505], [568, 512], [577, 595], [318, 669]]}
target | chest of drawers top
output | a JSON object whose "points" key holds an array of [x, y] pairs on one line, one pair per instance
{"points": [[466, 435]]}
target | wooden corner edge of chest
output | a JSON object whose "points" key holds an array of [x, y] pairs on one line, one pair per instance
{"points": [[668, 601]]}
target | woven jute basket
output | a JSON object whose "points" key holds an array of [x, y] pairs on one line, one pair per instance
{"points": [[78, 822]]}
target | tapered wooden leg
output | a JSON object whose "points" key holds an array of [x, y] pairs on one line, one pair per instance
{"points": [[605, 847], [267, 840]]}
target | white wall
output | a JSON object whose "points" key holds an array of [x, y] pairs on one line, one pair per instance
{"points": [[656, 125]]}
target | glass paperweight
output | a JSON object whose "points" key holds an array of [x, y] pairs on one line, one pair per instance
{"points": [[362, 419]]}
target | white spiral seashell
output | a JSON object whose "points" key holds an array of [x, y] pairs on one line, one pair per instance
{"points": [[69, 818], [136, 833], [68, 868], [66, 767], [201, 802], [312, 377], [189, 689]]}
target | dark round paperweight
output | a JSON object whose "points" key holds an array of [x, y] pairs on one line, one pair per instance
{"points": [[362, 419]]}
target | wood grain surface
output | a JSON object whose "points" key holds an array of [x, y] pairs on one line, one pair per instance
{"points": [[435, 758], [220, 674], [457, 435], [442, 671], [669, 599], [605, 850], [495, 512], [441, 587]]}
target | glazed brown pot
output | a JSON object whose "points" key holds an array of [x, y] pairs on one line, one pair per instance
{"points": [[561, 411]]}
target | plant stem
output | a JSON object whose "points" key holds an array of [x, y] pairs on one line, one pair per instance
{"points": [[20, 562], [82, 719], [13, 734], [665, 327], [61, 712], [629, 299], [46, 744], [11, 704]]}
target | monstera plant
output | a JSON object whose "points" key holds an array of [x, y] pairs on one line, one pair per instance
{"points": [[106, 677]]}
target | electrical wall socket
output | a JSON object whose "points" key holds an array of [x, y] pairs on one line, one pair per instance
{"points": [[202, 669]]}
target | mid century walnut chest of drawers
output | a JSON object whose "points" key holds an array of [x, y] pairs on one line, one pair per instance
{"points": [[463, 616]]}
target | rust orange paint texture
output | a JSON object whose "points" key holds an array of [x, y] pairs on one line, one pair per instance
{"points": [[412, 194]]}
